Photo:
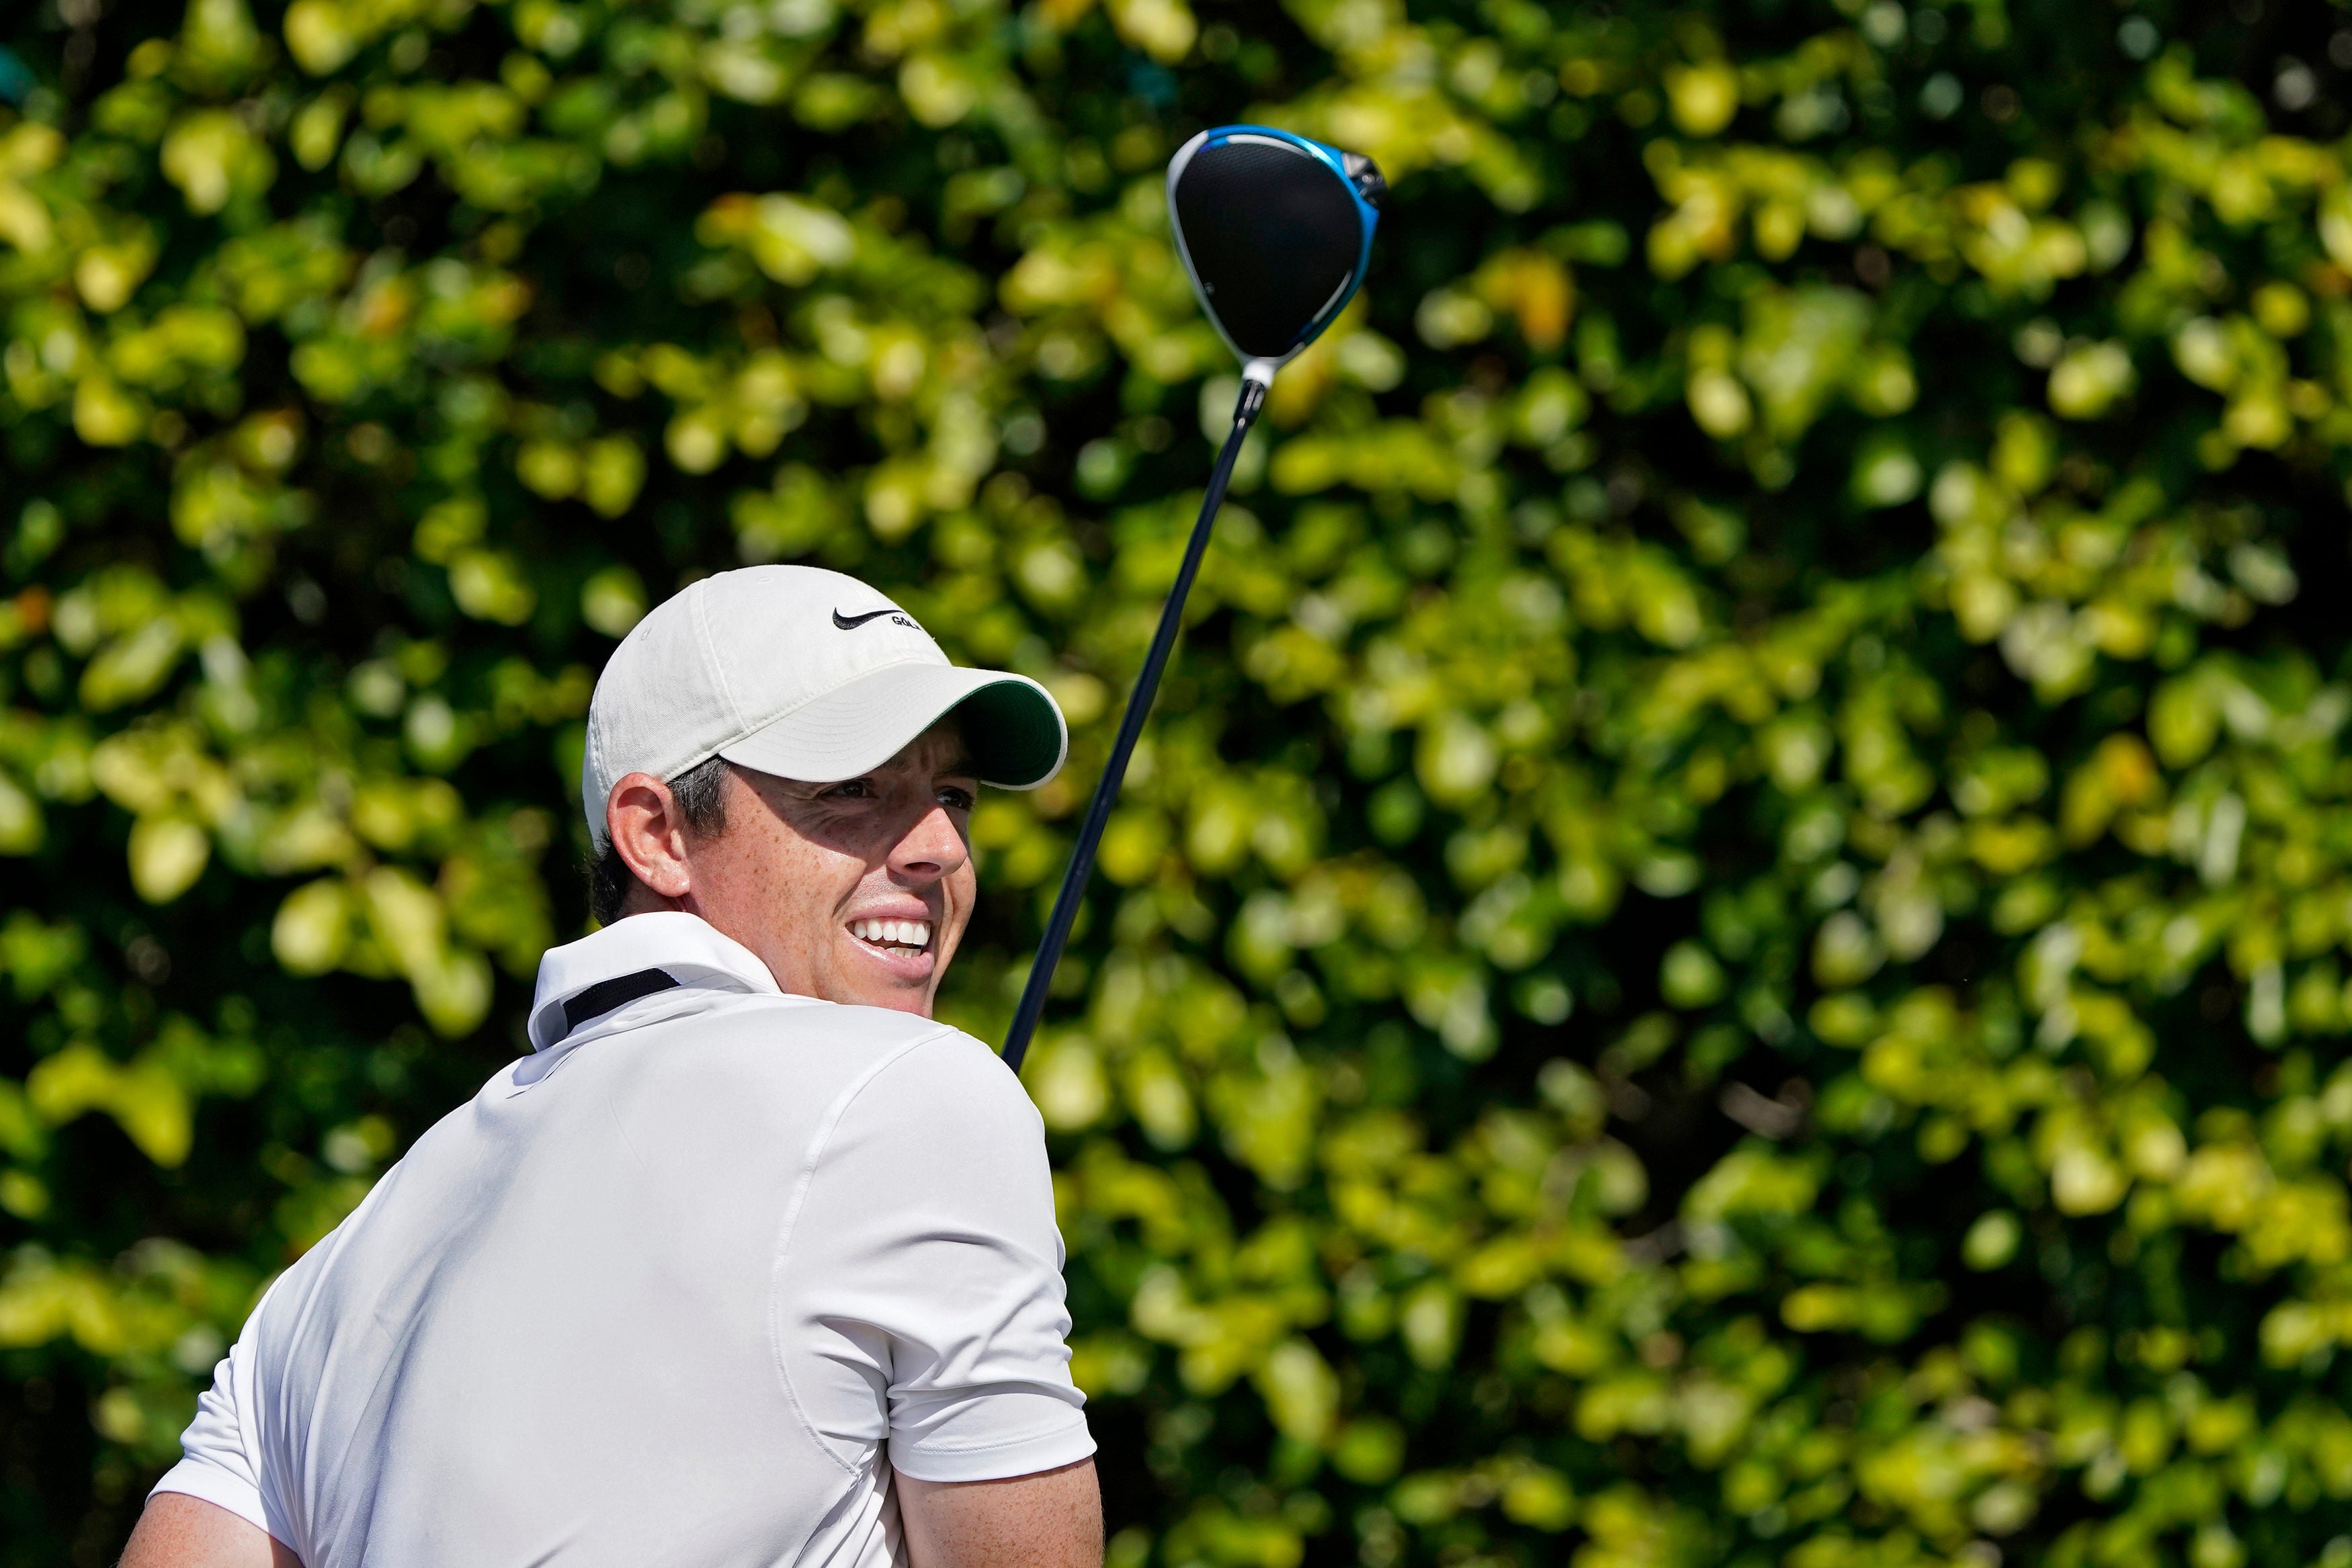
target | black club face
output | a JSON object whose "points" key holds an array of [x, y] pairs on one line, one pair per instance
{"points": [[1275, 236]]}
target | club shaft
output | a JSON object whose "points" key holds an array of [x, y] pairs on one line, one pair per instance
{"points": [[1131, 726]]}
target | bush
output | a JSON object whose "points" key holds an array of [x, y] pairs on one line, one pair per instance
{"points": [[1727, 944]]}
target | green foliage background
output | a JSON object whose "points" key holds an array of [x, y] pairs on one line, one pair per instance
{"points": [[1727, 944]]}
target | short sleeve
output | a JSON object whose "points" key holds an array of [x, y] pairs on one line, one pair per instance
{"points": [[922, 1274], [218, 1463]]}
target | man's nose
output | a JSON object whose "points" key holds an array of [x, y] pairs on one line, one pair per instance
{"points": [[931, 848]]}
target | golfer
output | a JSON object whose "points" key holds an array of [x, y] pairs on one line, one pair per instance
{"points": [[749, 1262]]}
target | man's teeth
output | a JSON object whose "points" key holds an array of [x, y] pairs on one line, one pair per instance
{"points": [[893, 932]]}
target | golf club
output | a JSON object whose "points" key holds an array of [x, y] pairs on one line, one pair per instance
{"points": [[1275, 232]]}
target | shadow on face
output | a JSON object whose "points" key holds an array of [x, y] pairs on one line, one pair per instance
{"points": [[857, 891]]}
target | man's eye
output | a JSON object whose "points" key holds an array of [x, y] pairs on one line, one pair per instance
{"points": [[855, 789], [955, 798]]}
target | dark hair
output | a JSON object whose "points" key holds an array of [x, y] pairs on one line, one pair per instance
{"points": [[701, 795]]}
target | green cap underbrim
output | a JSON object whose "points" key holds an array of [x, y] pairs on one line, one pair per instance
{"points": [[1014, 734]]}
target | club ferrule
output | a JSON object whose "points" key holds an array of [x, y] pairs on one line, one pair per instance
{"points": [[1257, 380]]}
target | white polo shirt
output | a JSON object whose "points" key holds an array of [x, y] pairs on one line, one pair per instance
{"points": [[684, 1286]]}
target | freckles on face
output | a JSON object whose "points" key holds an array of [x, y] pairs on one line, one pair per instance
{"points": [[859, 891]]}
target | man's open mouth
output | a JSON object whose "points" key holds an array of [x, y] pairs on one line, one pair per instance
{"points": [[893, 936]]}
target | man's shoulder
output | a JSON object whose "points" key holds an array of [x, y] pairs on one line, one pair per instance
{"points": [[919, 1069], [825, 1079], [791, 1041]]}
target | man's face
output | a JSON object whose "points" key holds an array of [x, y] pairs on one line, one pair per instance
{"points": [[856, 891]]}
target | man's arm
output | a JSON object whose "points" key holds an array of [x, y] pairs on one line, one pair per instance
{"points": [[1050, 1520], [181, 1532]]}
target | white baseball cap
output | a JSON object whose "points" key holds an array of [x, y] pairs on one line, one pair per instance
{"points": [[805, 674]]}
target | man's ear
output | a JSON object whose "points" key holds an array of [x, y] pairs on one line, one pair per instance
{"points": [[649, 831]]}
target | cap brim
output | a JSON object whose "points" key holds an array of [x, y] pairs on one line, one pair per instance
{"points": [[1012, 727]]}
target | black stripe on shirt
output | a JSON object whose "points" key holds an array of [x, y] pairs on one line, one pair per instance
{"points": [[605, 995]]}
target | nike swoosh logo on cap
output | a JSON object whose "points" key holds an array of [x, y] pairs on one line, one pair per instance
{"points": [[851, 622]]}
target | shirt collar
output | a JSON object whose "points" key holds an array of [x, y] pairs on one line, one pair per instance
{"points": [[685, 947]]}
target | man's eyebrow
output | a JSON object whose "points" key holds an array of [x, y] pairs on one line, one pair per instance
{"points": [[962, 766]]}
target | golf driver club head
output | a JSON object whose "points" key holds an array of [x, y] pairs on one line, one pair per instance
{"points": [[1277, 231]]}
